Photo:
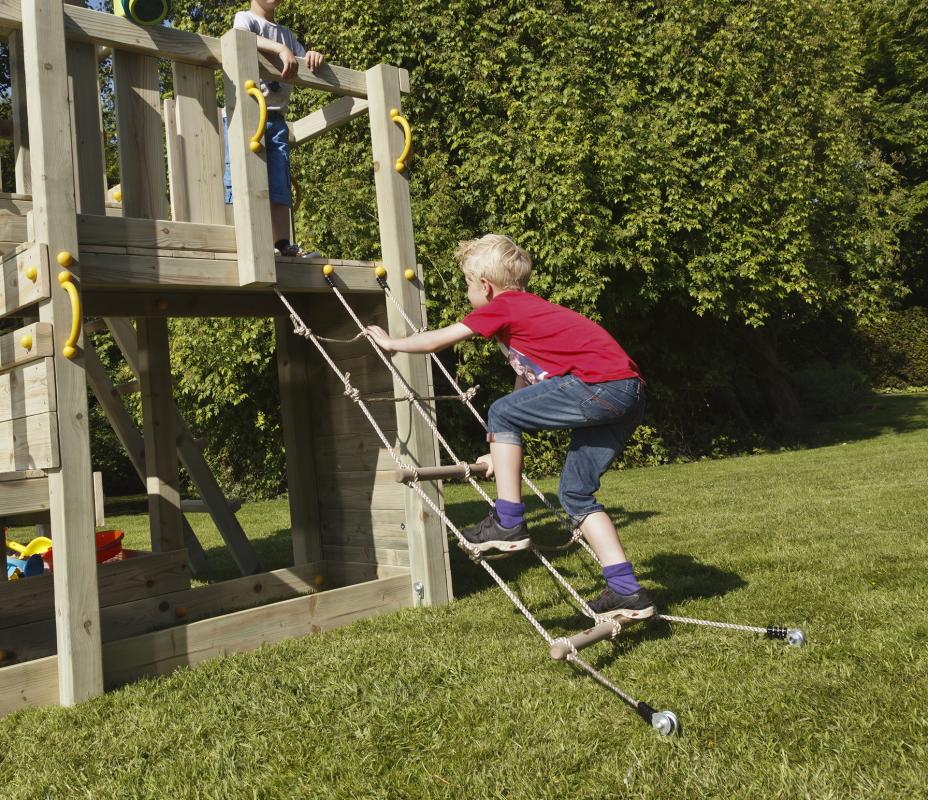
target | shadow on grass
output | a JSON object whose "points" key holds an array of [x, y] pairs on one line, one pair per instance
{"points": [[880, 414], [274, 551]]}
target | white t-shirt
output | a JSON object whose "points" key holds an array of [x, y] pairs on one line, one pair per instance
{"points": [[276, 93]]}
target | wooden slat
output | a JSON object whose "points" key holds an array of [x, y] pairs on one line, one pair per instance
{"points": [[174, 154], [361, 490], [29, 684], [14, 354], [29, 443], [18, 291], [249, 170], [23, 167], [37, 639], [428, 541], [96, 230], [373, 555], [25, 495], [119, 581], [13, 226], [27, 390], [199, 136], [336, 114]]}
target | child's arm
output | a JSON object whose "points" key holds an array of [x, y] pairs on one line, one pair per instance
{"points": [[425, 342], [288, 63]]}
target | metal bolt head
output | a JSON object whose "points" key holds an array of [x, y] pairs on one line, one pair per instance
{"points": [[665, 723], [419, 588], [796, 637]]}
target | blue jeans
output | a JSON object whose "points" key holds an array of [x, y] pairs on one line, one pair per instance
{"points": [[277, 148], [602, 417]]}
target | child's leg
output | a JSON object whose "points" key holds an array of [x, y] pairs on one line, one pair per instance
{"points": [[280, 222], [507, 467], [602, 536]]}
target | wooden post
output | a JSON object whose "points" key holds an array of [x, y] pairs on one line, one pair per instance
{"points": [[77, 611], [142, 177], [251, 207], [295, 408], [428, 543]]}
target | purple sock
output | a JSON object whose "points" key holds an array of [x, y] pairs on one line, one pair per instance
{"points": [[510, 514], [620, 578]]}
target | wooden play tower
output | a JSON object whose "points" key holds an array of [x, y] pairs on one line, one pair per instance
{"points": [[362, 543]]}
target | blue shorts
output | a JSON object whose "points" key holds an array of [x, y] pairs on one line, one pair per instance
{"points": [[277, 150], [601, 417]]}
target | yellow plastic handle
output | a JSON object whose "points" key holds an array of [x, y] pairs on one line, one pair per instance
{"points": [[64, 278], [400, 120], [252, 88]]}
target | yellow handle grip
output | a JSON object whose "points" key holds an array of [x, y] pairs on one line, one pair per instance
{"points": [[252, 88], [64, 278], [400, 120]]}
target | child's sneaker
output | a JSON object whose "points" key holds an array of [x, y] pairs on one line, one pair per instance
{"points": [[488, 534], [632, 606], [295, 251]]}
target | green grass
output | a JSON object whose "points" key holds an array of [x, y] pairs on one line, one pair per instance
{"points": [[464, 702]]}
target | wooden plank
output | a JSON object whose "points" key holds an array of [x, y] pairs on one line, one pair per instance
{"points": [[372, 555], [158, 612], [427, 537], [17, 290], [200, 137], [375, 490], [293, 378], [25, 495], [99, 518], [347, 572], [127, 433], [354, 451], [23, 167], [174, 153], [120, 582], [159, 653], [192, 459], [86, 125], [250, 191], [336, 114], [13, 226], [29, 443], [27, 390], [95, 230], [13, 353]]}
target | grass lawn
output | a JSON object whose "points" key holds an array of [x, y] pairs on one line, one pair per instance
{"points": [[464, 702]]}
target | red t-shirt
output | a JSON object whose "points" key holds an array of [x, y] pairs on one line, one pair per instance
{"points": [[542, 339]]}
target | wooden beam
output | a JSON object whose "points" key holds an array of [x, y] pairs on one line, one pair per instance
{"points": [[250, 204], [24, 495], [336, 114], [119, 582], [293, 380], [428, 543], [160, 234], [159, 653], [27, 390], [54, 223], [128, 434]]}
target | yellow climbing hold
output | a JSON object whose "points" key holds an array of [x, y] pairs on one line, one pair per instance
{"points": [[327, 270], [410, 274], [381, 271], [32, 274], [26, 341], [65, 259]]}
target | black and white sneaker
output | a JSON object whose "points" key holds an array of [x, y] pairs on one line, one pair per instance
{"points": [[488, 534], [631, 606]]}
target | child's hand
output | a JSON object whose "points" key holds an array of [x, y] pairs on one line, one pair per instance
{"points": [[289, 64], [314, 60], [488, 460], [380, 337]]}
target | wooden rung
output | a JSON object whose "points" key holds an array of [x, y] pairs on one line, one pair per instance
{"points": [[437, 473], [13, 350], [196, 506], [17, 288], [560, 649], [132, 387]]}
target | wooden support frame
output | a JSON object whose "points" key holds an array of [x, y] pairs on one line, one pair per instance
{"points": [[34, 683], [336, 114], [428, 543], [193, 461], [124, 426], [79, 661]]}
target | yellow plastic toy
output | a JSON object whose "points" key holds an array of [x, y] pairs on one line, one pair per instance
{"points": [[41, 544]]}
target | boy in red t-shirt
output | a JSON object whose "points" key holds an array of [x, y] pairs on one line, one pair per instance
{"points": [[571, 375]]}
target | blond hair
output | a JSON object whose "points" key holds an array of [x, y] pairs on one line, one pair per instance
{"points": [[496, 258]]}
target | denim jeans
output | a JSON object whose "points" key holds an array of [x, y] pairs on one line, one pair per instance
{"points": [[277, 153], [602, 417]]}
